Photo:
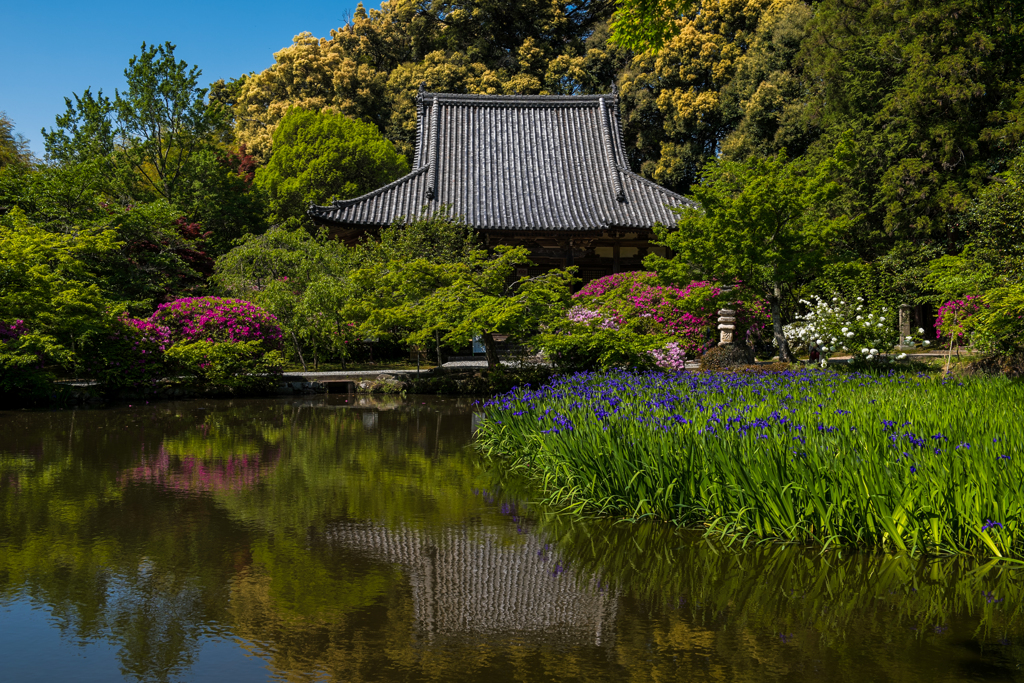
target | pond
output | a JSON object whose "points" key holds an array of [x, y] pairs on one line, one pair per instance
{"points": [[352, 538]]}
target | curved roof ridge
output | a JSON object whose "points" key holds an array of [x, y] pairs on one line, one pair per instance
{"points": [[340, 203], [505, 100]]}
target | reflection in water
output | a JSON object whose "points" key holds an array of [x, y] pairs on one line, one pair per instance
{"points": [[192, 473], [466, 582], [357, 538]]}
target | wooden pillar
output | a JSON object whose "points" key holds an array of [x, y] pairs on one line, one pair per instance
{"points": [[568, 259]]}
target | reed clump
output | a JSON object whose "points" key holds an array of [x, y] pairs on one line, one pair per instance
{"points": [[897, 462]]}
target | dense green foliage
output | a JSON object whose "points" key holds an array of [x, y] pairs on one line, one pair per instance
{"points": [[319, 157], [896, 462], [766, 223], [853, 148], [431, 283]]}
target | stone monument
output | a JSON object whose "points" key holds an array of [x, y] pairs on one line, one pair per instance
{"points": [[904, 323], [726, 326]]}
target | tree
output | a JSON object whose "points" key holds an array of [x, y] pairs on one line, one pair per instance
{"points": [[646, 25], [49, 282], [931, 90], [769, 223], [13, 146], [675, 112], [163, 118], [296, 277], [474, 297], [319, 157]]}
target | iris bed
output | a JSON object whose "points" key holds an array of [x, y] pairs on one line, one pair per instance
{"points": [[898, 462]]}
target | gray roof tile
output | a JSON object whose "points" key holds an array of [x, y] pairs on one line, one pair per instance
{"points": [[516, 163]]}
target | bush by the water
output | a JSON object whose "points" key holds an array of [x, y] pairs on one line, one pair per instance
{"points": [[217, 319], [242, 367], [899, 462]]}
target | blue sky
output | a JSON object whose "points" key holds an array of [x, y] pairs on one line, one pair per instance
{"points": [[49, 50]]}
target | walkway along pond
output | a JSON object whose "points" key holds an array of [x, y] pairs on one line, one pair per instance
{"points": [[358, 538]]}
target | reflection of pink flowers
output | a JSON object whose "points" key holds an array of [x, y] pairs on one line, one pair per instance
{"points": [[191, 474]]}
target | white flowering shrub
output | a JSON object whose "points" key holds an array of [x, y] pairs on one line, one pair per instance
{"points": [[845, 326]]}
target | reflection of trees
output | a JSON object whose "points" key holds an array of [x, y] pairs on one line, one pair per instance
{"points": [[354, 547], [734, 613]]}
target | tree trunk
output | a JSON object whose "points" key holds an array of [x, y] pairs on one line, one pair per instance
{"points": [[298, 350], [491, 350], [785, 355]]}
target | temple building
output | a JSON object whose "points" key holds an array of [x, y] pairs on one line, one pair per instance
{"points": [[548, 172]]}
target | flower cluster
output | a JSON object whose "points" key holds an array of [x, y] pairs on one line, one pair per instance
{"points": [[954, 316], [11, 331], [586, 316], [686, 315], [671, 357], [839, 326], [216, 319], [803, 455]]}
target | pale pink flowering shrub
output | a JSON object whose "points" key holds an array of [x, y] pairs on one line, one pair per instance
{"points": [[585, 316], [216, 319], [671, 357]]}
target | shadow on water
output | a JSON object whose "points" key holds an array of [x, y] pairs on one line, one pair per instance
{"points": [[360, 538]]}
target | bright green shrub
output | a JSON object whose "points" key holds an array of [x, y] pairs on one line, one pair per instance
{"points": [[237, 367]]}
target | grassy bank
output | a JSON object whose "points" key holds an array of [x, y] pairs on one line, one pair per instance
{"points": [[899, 462]]}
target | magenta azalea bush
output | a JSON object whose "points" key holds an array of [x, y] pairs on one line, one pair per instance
{"points": [[630, 319], [687, 315], [12, 330], [130, 355], [217, 319], [954, 318]]}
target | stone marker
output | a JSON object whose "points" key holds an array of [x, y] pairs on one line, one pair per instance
{"points": [[904, 323], [726, 326]]}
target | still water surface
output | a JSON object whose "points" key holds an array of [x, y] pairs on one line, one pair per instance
{"points": [[331, 540]]}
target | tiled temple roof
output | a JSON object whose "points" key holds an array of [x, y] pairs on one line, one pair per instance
{"points": [[518, 163]]}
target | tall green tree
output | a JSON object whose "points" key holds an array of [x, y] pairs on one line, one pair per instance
{"points": [[769, 223], [299, 278], [931, 90], [13, 146], [164, 118], [319, 157]]}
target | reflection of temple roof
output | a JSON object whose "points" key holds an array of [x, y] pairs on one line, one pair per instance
{"points": [[468, 581], [519, 163]]}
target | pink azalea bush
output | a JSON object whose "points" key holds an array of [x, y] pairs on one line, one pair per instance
{"points": [[687, 315], [629, 319], [671, 357], [11, 331], [954, 317], [217, 319]]}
